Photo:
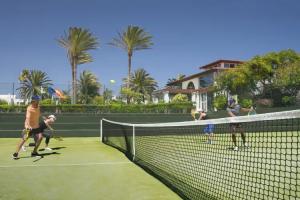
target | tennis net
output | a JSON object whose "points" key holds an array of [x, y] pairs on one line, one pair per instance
{"points": [[201, 166]]}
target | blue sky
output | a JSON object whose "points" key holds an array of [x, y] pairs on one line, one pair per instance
{"points": [[186, 34]]}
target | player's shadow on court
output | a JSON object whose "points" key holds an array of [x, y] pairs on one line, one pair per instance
{"points": [[41, 155], [54, 148], [57, 148]]}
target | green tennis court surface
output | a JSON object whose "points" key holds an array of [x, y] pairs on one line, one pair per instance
{"points": [[77, 168]]}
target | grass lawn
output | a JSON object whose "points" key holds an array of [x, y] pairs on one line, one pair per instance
{"points": [[77, 168]]}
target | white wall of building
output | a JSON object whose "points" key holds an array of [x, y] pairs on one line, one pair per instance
{"points": [[10, 99], [166, 97], [194, 97], [155, 99], [194, 80]]}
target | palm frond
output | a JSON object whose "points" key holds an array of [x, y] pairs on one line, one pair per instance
{"points": [[32, 84], [133, 38], [77, 42]]}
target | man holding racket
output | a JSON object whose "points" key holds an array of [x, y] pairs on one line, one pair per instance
{"points": [[44, 124], [31, 126], [233, 111]]}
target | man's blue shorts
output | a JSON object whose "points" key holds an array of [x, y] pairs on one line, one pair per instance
{"points": [[209, 128]]}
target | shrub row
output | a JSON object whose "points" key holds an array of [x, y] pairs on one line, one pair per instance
{"points": [[111, 108]]}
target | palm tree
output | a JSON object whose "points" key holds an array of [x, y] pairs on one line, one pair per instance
{"points": [[107, 95], [132, 39], [32, 82], [88, 87], [77, 42], [179, 77], [143, 83]]}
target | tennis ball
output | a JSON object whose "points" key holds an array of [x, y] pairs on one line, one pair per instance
{"points": [[112, 81]]}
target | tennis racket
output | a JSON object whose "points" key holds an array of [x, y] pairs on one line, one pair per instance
{"points": [[59, 138], [252, 111], [54, 135], [25, 133], [193, 114]]}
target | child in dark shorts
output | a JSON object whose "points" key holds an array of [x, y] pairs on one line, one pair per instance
{"points": [[208, 129], [43, 125]]}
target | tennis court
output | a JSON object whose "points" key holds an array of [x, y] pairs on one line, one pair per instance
{"points": [[77, 168], [163, 161]]}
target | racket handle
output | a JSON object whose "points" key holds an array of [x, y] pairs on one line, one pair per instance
{"points": [[26, 132]]}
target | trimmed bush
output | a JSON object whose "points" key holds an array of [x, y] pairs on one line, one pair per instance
{"points": [[288, 100], [220, 102], [47, 102], [180, 98], [110, 108], [99, 100], [246, 103], [12, 108], [3, 102]]}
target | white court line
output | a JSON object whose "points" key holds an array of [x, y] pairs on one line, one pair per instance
{"points": [[66, 165]]}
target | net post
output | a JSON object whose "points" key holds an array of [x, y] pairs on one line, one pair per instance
{"points": [[133, 142], [101, 130]]}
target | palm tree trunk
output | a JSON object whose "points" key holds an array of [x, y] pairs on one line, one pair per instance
{"points": [[128, 77], [74, 71], [129, 70]]}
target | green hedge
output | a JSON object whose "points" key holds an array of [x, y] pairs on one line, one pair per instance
{"points": [[11, 108], [111, 108]]}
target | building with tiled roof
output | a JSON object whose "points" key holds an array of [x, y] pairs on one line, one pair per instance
{"points": [[198, 87]]}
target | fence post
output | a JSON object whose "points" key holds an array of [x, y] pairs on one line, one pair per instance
{"points": [[13, 94], [101, 130], [133, 142]]}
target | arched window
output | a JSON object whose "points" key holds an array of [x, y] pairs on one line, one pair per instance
{"points": [[191, 85]]}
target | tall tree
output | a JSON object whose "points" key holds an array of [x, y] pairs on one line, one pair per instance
{"points": [[262, 75], [78, 41], [132, 39], [287, 79], [88, 87], [235, 81], [32, 82]]}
